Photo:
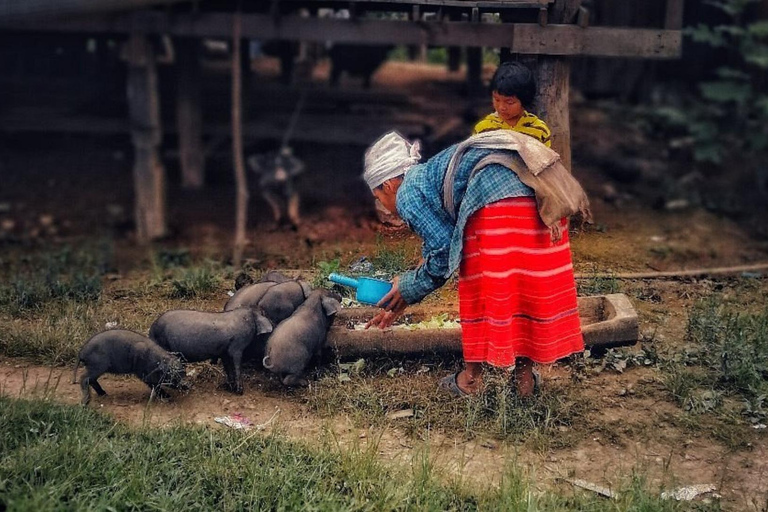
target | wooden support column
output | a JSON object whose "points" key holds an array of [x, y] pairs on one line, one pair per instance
{"points": [[189, 115], [454, 52], [241, 181], [146, 135], [553, 79], [474, 62]]}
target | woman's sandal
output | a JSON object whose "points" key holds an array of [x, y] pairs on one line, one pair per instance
{"points": [[449, 384]]}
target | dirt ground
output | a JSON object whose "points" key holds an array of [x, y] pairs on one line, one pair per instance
{"points": [[80, 187], [638, 432]]}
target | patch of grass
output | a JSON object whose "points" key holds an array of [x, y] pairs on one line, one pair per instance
{"points": [[55, 337], [721, 378], [597, 284], [323, 269], [194, 282], [172, 258], [735, 346], [64, 274], [390, 260], [64, 457], [370, 396]]}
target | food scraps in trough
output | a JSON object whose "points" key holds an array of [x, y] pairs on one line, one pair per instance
{"points": [[440, 321]]}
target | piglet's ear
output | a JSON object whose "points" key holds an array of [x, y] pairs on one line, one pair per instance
{"points": [[330, 305], [306, 288], [263, 325]]}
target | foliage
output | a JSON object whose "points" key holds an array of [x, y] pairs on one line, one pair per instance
{"points": [[728, 358], [360, 391], [64, 274], [322, 270], [730, 115], [597, 283], [70, 458], [389, 261], [735, 346], [194, 282], [172, 258]]}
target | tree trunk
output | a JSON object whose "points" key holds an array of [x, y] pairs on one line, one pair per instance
{"points": [[241, 215], [189, 116], [146, 135]]}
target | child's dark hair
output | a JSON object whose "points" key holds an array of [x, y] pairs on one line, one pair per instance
{"points": [[515, 79]]}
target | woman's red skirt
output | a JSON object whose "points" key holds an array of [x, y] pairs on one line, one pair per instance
{"points": [[517, 294]]}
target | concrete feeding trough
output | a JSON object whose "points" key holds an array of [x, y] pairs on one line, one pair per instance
{"points": [[606, 321]]}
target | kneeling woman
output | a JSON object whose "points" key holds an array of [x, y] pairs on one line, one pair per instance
{"points": [[473, 208]]}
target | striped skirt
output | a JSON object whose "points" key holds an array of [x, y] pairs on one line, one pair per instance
{"points": [[517, 294]]}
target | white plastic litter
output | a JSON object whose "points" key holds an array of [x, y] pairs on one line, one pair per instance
{"points": [[689, 492]]}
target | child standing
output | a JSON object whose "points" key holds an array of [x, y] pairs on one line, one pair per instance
{"points": [[513, 90]]}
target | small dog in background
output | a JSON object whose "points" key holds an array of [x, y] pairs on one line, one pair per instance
{"points": [[277, 171]]}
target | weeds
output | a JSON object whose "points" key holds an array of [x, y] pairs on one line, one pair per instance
{"points": [[172, 258], [389, 262], [55, 337], [498, 412], [194, 282], [597, 284], [734, 347], [61, 275], [323, 269], [724, 374], [73, 458]]}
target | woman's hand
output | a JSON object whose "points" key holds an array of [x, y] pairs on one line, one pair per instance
{"points": [[393, 306]]}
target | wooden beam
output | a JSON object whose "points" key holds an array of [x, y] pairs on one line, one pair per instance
{"points": [[146, 134], [16, 10], [340, 129], [526, 38], [465, 4], [189, 115]]}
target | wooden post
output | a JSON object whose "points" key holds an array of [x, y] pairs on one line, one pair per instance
{"points": [[146, 135], [189, 116], [474, 62], [454, 52], [553, 79], [241, 215], [673, 19]]}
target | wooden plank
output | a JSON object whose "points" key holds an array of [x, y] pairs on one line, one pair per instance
{"points": [[339, 129], [597, 41], [674, 15], [482, 4], [554, 39]]}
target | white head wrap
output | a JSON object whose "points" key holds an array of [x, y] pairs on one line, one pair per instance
{"points": [[389, 157]]}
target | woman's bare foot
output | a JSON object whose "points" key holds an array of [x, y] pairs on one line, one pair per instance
{"points": [[468, 384], [524, 381], [470, 380]]}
